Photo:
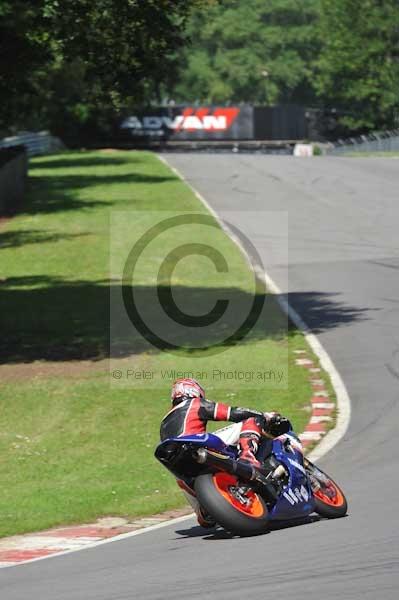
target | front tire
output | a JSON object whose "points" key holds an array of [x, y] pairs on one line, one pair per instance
{"points": [[240, 514], [330, 501]]}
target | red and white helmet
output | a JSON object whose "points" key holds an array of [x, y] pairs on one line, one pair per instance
{"points": [[186, 388]]}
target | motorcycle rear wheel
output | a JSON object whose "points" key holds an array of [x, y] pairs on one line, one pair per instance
{"points": [[239, 513]]}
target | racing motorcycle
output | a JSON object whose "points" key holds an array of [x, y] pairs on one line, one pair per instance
{"points": [[242, 498]]}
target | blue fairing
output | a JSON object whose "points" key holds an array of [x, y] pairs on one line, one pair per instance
{"points": [[296, 500], [205, 440]]}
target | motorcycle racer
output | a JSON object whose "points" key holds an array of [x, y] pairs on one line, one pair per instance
{"points": [[191, 411]]}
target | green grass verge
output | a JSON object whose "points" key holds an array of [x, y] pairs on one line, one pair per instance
{"points": [[73, 447]]}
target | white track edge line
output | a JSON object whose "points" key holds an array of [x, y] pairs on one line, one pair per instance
{"points": [[333, 436], [330, 440]]}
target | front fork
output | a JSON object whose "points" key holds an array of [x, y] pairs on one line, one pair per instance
{"points": [[315, 475]]}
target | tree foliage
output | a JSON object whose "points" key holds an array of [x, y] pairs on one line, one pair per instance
{"points": [[66, 64], [23, 49], [358, 66], [341, 54], [99, 52], [252, 50]]}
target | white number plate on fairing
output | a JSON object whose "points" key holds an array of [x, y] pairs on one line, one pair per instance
{"points": [[296, 495]]}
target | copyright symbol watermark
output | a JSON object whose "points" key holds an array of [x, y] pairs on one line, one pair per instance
{"points": [[117, 374], [172, 313]]}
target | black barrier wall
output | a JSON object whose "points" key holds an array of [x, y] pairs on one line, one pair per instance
{"points": [[191, 123], [280, 123], [13, 178]]}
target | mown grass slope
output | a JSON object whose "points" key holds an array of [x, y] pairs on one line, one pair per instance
{"points": [[74, 444]]}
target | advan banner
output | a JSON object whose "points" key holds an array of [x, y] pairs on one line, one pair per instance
{"points": [[190, 123]]}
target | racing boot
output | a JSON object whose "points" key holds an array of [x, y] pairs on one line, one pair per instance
{"points": [[204, 519], [249, 441]]}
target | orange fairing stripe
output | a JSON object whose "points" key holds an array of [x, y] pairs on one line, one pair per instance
{"points": [[223, 481]]}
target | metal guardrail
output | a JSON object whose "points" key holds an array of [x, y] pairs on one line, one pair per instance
{"points": [[41, 142], [385, 141]]}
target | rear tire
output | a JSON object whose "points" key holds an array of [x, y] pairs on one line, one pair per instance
{"points": [[330, 501], [215, 495]]}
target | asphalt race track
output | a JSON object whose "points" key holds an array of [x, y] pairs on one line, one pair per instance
{"points": [[344, 281]]}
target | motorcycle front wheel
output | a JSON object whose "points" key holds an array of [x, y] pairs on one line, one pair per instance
{"points": [[234, 506], [330, 501]]}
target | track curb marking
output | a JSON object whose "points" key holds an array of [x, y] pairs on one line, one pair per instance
{"points": [[57, 551], [315, 431]]}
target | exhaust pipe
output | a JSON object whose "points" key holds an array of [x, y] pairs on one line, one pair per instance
{"points": [[245, 472]]}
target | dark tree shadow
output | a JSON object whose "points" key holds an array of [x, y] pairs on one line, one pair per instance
{"points": [[49, 318], [76, 182], [15, 239], [59, 190], [47, 195], [322, 311], [85, 161], [58, 193]]}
